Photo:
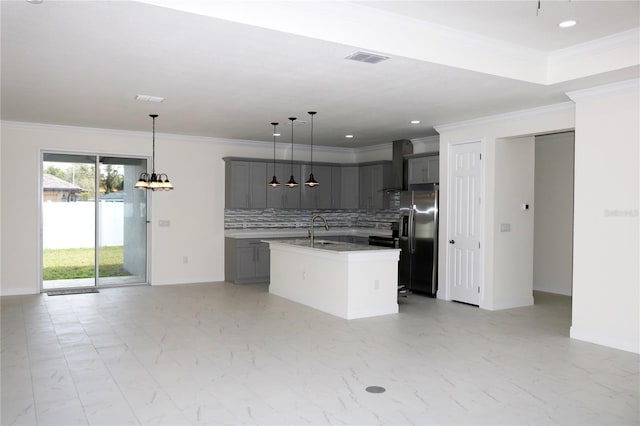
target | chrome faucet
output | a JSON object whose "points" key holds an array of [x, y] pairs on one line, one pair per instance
{"points": [[313, 218]]}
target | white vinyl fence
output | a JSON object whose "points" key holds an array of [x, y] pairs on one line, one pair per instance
{"points": [[71, 225]]}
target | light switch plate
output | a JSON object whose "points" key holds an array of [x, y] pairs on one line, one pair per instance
{"points": [[505, 227], [164, 223]]}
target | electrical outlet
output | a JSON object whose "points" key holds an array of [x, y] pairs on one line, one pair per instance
{"points": [[185, 259], [376, 284]]}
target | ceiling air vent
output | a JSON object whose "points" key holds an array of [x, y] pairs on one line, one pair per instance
{"points": [[148, 98], [370, 58]]}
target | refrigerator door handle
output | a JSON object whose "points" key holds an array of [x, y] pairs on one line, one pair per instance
{"points": [[412, 231]]}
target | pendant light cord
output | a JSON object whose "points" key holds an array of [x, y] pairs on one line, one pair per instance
{"points": [[274, 147], [312, 114], [153, 145]]}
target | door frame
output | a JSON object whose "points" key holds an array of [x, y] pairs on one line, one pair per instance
{"points": [[482, 211], [41, 153]]}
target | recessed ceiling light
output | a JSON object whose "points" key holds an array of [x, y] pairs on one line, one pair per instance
{"points": [[415, 121], [348, 136], [35, 1], [567, 24], [148, 98], [276, 134]]}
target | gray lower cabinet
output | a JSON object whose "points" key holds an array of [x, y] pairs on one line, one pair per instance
{"points": [[245, 185], [318, 197], [283, 197], [246, 260]]}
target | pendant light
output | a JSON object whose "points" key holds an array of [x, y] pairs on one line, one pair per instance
{"points": [[311, 182], [292, 182], [274, 182], [155, 181]]}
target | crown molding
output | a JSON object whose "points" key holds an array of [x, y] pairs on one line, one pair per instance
{"points": [[66, 128], [606, 89], [531, 112], [426, 140], [603, 43], [373, 148], [427, 144], [184, 138], [124, 133]]}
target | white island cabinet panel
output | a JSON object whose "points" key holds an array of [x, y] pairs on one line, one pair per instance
{"points": [[346, 280]]}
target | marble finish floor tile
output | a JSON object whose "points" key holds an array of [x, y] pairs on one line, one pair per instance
{"points": [[217, 353]]}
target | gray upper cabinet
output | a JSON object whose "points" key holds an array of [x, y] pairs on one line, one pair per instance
{"points": [[340, 186], [245, 184], [349, 187], [318, 197], [424, 169], [336, 190], [373, 179], [283, 197]]}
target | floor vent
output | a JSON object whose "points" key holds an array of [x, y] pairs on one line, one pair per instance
{"points": [[74, 291], [370, 58]]}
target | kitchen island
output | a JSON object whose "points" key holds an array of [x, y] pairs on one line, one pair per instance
{"points": [[346, 280]]}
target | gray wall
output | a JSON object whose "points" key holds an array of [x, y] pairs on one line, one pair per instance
{"points": [[553, 227]]}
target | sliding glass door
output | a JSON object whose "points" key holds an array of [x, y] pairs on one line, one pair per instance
{"points": [[94, 223]]}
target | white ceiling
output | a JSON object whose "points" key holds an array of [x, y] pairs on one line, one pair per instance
{"points": [[520, 22], [229, 68]]}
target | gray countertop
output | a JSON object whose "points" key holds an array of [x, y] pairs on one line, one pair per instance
{"points": [[302, 232], [334, 246]]}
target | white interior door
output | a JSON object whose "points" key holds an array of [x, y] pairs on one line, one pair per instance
{"points": [[464, 222]]}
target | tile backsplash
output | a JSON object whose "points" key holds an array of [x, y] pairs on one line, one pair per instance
{"points": [[281, 218]]}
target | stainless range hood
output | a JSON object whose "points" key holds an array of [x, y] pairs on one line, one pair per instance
{"points": [[401, 147]]}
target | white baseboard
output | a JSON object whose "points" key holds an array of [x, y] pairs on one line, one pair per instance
{"points": [[17, 292], [628, 345], [194, 281], [514, 303], [553, 289]]}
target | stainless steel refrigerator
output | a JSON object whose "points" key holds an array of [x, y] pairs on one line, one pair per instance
{"points": [[418, 238]]}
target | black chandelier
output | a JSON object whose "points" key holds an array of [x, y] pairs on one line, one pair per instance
{"points": [[154, 181]]}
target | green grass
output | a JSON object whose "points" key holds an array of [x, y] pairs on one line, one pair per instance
{"points": [[75, 263]]}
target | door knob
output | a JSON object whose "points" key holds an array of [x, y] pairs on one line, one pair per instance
{"points": [[452, 241]]}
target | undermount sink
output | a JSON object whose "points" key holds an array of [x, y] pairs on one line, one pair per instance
{"points": [[320, 243], [316, 243]]}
